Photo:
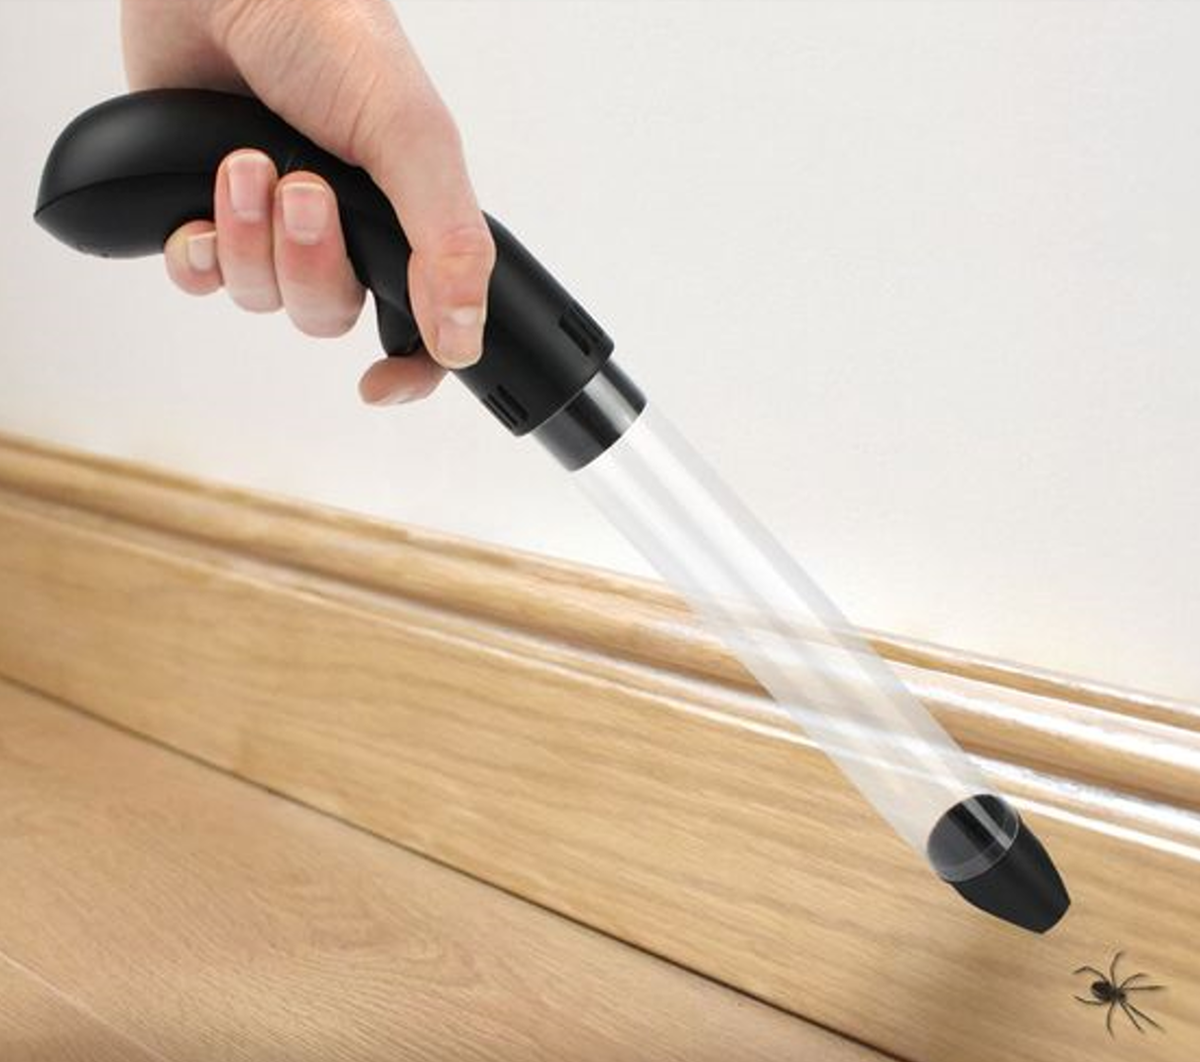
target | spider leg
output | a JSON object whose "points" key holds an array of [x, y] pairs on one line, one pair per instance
{"points": [[1131, 977], [1144, 1016], [1108, 1020], [1090, 1002], [1089, 969], [1144, 988], [1112, 969], [1129, 1015]]}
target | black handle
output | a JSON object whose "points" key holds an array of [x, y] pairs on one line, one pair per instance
{"points": [[125, 174]]}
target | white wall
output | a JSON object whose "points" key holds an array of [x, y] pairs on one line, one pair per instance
{"points": [[922, 280]]}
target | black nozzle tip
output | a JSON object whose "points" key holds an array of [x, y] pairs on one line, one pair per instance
{"points": [[1018, 881], [1023, 887]]}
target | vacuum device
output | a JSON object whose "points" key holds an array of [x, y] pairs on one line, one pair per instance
{"points": [[124, 175]]}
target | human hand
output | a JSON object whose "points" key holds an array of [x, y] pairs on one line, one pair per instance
{"points": [[344, 74]]}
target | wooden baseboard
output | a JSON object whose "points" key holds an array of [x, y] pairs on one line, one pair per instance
{"points": [[574, 737]]}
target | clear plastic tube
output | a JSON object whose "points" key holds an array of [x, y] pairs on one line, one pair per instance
{"points": [[795, 641]]}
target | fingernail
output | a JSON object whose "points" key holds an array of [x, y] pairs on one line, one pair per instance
{"points": [[305, 211], [460, 336], [249, 178], [202, 252]]}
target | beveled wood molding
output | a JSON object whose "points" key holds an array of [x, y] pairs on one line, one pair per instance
{"points": [[575, 737]]}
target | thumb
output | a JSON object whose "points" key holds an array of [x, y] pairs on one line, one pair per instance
{"points": [[417, 160], [346, 75]]}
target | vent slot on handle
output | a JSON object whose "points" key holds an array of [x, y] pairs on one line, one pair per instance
{"points": [[584, 332], [505, 407]]}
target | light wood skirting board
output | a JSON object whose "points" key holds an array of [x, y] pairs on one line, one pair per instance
{"points": [[574, 737]]}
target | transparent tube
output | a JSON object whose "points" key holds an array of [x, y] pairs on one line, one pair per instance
{"points": [[795, 641]]}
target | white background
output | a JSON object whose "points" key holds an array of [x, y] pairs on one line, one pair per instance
{"points": [[921, 279]]}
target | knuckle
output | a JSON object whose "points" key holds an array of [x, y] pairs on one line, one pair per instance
{"points": [[323, 322], [244, 249], [317, 275], [472, 241], [460, 264], [256, 299], [197, 285], [322, 307], [322, 327]]}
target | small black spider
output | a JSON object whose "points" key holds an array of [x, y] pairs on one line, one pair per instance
{"points": [[1108, 993]]}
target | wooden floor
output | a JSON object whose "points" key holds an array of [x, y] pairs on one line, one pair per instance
{"points": [[154, 908]]}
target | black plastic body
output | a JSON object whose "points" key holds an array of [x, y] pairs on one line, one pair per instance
{"points": [[1020, 885], [125, 174]]}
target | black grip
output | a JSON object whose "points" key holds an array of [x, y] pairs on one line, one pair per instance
{"points": [[125, 174]]}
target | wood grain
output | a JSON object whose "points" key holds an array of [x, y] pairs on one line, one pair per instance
{"points": [[206, 919], [1013, 712], [38, 1025], [574, 738]]}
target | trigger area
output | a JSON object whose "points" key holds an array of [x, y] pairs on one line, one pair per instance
{"points": [[398, 332]]}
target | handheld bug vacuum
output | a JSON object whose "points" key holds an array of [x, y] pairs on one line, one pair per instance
{"points": [[125, 174]]}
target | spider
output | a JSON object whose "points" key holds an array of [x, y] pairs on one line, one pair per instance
{"points": [[1108, 993]]}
